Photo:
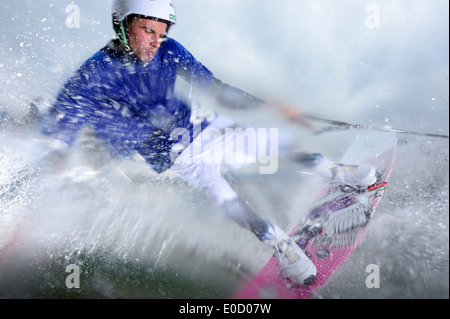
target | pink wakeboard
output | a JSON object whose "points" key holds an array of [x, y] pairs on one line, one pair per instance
{"points": [[334, 225]]}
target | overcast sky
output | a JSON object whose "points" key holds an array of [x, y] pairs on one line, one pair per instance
{"points": [[383, 62]]}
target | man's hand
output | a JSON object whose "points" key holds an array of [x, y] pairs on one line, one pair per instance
{"points": [[288, 112]]}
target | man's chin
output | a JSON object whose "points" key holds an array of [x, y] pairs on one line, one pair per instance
{"points": [[144, 57]]}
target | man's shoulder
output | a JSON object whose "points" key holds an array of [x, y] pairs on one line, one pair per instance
{"points": [[100, 59], [171, 42], [175, 49], [172, 45]]}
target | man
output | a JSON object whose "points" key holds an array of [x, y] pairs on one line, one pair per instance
{"points": [[126, 94]]}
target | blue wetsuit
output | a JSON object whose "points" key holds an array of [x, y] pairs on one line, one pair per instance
{"points": [[128, 103], [131, 104]]}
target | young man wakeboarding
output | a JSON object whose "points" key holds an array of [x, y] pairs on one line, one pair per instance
{"points": [[126, 94]]}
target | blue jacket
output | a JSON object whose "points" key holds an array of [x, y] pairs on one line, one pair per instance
{"points": [[128, 103]]}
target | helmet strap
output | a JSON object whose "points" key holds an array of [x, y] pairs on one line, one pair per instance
{"points": [[121, 32]]}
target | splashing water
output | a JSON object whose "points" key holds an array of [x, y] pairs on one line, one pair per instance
{"points": [[136, 234]]}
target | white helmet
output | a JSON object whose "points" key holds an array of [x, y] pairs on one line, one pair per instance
{"points": [[162, 10]]}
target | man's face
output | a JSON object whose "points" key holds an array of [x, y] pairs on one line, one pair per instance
{"points": [[145, 37]]}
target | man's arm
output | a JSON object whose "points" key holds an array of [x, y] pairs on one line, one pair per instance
{"points": [[198, 75], [65, 118], [234, 97]]}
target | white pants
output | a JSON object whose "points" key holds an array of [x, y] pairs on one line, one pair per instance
{"points": [[200, 162], [201, 174]]}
